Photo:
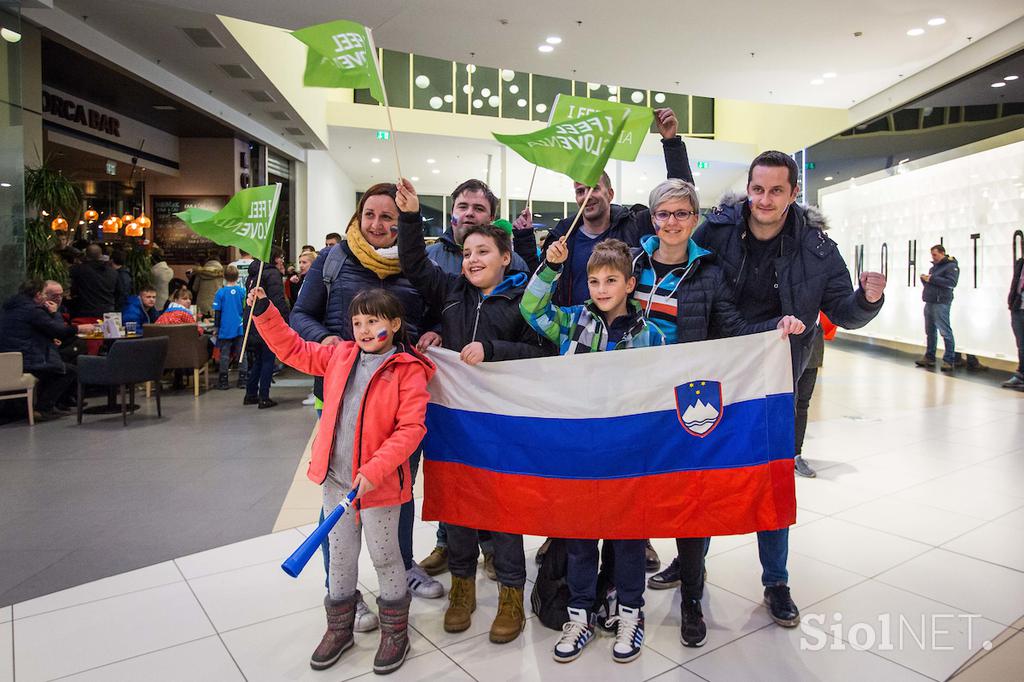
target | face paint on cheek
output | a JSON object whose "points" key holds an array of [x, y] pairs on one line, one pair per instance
{"points": [[382, 335], [393, 229]]}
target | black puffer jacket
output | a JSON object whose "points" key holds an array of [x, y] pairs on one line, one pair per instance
{"points": [[942, 279], [273, 283], [706, 308], [446, 253], [95, 288], [1013, 300], [627, 224], [810, 273], [466, 314], [30, 329]]}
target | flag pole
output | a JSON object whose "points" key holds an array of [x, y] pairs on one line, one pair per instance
{"points": [[248, 324], [384, 93], [579, 213], [529, 192]]}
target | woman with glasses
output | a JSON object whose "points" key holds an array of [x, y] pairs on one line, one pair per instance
{"points": [[685, 295]]}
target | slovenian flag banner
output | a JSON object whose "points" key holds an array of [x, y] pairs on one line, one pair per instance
{"points": [[688, 440]]}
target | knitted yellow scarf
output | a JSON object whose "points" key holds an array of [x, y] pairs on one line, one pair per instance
{"points": [[367, 255]]}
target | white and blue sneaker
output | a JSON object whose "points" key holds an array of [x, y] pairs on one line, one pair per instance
{"points": [[629, 637], [421, 584], [576, 634]]}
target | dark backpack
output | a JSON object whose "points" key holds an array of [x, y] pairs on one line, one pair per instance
{"points": [[336, 259], [550, 596]]}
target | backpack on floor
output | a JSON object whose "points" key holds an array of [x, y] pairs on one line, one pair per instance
{"points": [[550, 596]]}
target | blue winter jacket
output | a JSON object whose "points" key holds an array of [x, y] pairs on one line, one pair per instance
{"points": [[135, 312]]}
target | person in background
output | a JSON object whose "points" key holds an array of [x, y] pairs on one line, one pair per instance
{"points": [[179, 310], [93, 287], [30, 326], [242, 265], [125, 287], [261, 357], [309, 248], [141, 308], [227, 312], [1015, 301], [208, 279], [161, 275], [331, 239], [294, 282]]}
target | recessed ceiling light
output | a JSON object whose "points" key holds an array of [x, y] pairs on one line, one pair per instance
{"points": [[914, 32], [554, 40], [375, 160], [545, 48], [817, 81], [435, 171], [415, 178], [9, 35], [937, 21], [163, 107], [696, 174], [827, 178], [829, 74], [1011, 78], [5, 184], [430, 161], [1000, 84]]}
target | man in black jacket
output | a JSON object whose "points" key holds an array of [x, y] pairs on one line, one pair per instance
{"points": [[937, 295], [1016, 303], [779, 262], [94, 286], [604, 220], [31, 326]]}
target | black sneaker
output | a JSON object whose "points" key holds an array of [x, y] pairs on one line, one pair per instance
{"points": [[780, 606], [652, 562], [667, 579], [977, 367], [693, 632], [925, 362], [947, 367], [222, 382], [251, 400], [264, 404]]}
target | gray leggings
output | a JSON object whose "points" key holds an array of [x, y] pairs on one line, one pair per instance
{"points": [[380, 526]]}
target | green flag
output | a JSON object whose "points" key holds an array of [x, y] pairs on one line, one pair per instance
{"points": [[579, 148], [341, 55], [567, 108], [246, 222]]}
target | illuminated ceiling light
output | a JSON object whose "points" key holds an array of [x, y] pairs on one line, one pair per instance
{"points": [[422, 82], [1011, 78], [486, 92], [5, 184], [9, 35], [470, 68], [696, 174], [493, 101], [507, 75], [521, 102], [829, 74], [659, 98], [553, 40], [914, 32], [144, 221], [613, 98], [1000, 84], [375, 160], [435, 171], [436, 102], [449, 99], [828, 178], [477, 103], [541, 108], [637, 97], [513, 89], [613, 89], [937, 21], [415, 178], [431, 161], [817, 81], [467, 89], [545, 48]]}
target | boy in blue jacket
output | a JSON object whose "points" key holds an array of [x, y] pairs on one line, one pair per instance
{"points": [[227, 311]]}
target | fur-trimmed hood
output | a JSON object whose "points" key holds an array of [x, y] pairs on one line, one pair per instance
{"points": [[731, 201]]}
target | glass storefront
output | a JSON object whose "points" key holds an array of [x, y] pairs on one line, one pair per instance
{"points": [[12, 140]]}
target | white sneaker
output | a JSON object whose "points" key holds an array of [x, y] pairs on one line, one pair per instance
{"points": [[311, 400], [366, 620], [629, 638], [576, 634], [422, 585]]}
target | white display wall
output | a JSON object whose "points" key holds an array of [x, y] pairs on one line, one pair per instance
{"points": [[939, 199]]}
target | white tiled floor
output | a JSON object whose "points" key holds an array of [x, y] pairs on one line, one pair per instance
{"points": [[911, 532]]}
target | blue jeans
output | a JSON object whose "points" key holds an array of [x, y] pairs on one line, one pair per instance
{"points": [[227, 348], [936, 315], [629, 579], [486, 543], [773, 548], [261, 372]]}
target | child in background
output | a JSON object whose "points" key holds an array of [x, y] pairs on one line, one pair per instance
{"points": [[179, 310], [610, 320], [480, 320], [375, 396], [227, 313]]}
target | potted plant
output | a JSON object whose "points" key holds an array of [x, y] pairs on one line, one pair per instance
{"points": [[47, 189]]}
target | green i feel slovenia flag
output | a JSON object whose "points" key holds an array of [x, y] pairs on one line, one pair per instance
{"points": [[246, 222], [568, 107], [341, 55], [580, 148]]}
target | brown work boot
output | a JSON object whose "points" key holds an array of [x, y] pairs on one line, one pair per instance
{"points": [[341, 614], [461, 604], [510, 619], [437, 562], [394, 635]]}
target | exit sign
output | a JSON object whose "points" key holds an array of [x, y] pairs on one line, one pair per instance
{"points": [[703, 164], [809, 165], [383, 135]]}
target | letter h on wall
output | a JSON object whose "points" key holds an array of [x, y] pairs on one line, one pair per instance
{"points": [[912, 263]]}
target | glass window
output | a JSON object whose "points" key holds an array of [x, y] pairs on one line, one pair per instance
{"points": [[632, 96], [933, 116], [515, 94], [464, 90], [396, 78], [680, 104], [545, 89], [906, 119], [432, 209], [546, 214], [703, 122], [486, 93], [432, 84]]}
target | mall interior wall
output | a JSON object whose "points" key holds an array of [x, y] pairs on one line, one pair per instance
{"points": [[969, 199], [330, 197]]}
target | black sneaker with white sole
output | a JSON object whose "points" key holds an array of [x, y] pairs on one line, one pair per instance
{"points": [[667, 579], [693, 632], [780, 606]]}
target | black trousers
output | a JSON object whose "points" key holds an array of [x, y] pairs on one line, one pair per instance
{"points": [[54, 386], [804, 391]]}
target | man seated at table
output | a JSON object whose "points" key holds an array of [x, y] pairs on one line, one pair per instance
{"points": [[32, 327], [140, 308]]}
